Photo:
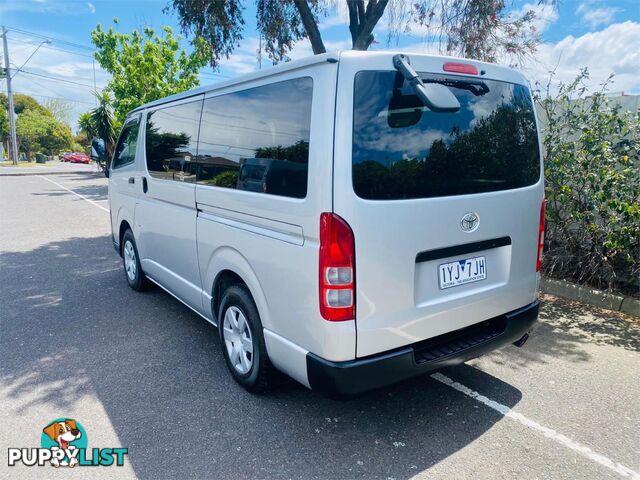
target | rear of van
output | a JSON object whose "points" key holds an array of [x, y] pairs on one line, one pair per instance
{"points": [[438, 215]]}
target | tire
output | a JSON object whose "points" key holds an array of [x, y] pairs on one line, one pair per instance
{"points": [[131, 263], [238, 322]]}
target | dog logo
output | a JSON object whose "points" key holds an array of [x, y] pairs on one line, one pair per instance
{"points": [[65, 433], [63, 443]]}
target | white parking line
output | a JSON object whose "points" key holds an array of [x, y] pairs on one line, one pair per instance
{"points": [[547, 432], [76, 194]]}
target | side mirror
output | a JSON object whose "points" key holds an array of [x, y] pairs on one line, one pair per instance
{"points": [[98, 150]]}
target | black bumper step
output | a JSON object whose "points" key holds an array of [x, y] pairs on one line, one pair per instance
{"points": [[354, 377], [454, 342]]}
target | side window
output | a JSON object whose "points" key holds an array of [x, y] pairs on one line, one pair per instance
{"points": [[125, 152], [171, 141], [258, 139]]}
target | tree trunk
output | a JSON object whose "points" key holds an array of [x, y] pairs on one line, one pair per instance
{"points": [[353, 21], [367, 20], [311, 26]]}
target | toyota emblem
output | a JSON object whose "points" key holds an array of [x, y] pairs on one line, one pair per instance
{"points": [[470, 222]]}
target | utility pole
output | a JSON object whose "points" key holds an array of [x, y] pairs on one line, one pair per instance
{"points": [[13, 141]]}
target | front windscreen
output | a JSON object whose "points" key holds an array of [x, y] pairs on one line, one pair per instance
{"points": [[403, 150]]}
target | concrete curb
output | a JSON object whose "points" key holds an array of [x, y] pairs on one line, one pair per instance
{"points": [[610, 301]]}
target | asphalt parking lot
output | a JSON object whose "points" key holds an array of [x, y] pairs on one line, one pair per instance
{"points": [[142, 371]]}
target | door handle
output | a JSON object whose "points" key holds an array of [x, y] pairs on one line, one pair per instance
{"points": [[145, 187], [132, 180]]}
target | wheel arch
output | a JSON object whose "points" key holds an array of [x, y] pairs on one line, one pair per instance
{"points": [[226, 267], [223, 280], [122, 219], [124, 226]]}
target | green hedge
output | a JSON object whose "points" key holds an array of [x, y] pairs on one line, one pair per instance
{"points": [[592, 172]]}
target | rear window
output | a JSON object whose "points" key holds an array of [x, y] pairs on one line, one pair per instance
{"points": [[403, 150]]}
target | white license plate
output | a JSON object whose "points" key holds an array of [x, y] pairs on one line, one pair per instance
{"points": [[461, 272]]}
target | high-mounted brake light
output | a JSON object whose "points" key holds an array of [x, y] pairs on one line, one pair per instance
{"points": [[336, 269], [540, 237], [460, 68]]}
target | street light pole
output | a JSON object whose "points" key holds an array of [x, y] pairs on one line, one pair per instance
{"points": [[19, 69], [13, 141]]}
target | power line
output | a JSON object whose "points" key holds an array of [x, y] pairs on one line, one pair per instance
{"points": [[85, 47], [45, 87], [46, 37], [52, 48], [35, 82], [57, 79], [20, 48], [54, 98]]}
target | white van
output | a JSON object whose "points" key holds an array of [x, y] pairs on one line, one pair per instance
{"points": [[342, 218]]}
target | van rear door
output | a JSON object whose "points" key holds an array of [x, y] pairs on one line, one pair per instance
{"points": [[444, 206]]}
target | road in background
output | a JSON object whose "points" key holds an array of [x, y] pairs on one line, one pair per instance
{"points": [[48, 168], [144, 372]]}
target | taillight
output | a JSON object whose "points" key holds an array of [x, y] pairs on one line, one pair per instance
{"points": [[336, 269], [460, 68], [540, 237]]}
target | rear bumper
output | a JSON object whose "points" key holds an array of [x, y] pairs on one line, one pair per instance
{"points": [[351, 378]]}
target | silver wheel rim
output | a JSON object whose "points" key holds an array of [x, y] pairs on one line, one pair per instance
{"points": [[238, 340], [130, 260]]}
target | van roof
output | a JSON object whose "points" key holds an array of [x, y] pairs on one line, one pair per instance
{"points": [[508, 74], [283, 67]]}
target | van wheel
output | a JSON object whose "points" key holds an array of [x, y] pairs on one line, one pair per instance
{"points": [[242, 340], [131, 263]]}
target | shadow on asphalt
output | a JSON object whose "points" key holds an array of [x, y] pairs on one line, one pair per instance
{"points": [[565, 329], [92, 192], [610, 328], [71, 326]]}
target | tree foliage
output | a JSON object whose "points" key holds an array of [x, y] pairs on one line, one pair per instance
{"points": [[38, 133], [480, 29], [4, 119], [85, 125], [37, 129], [592, 187], [144, 66], [298, 152], [102, 124], [60, 109], [22, 103], [220, 23]]}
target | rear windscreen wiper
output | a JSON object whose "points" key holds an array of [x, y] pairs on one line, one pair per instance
{"points": [[436, 96], [476, 87]]}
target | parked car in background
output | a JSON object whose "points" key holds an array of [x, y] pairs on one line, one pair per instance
{"points": [[65, 156], [78, 157]]}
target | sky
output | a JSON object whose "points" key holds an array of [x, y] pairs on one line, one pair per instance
{"points": [[601, 35]]}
